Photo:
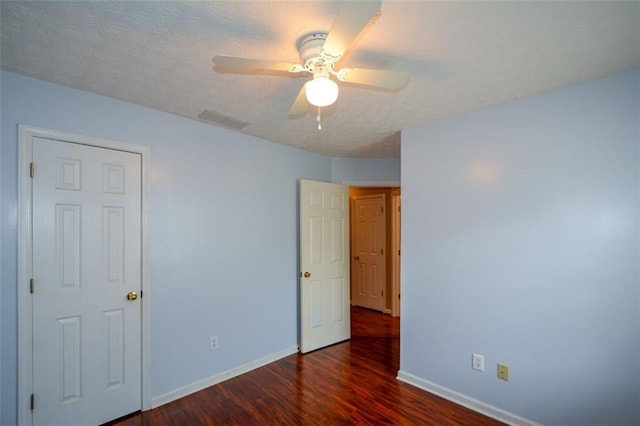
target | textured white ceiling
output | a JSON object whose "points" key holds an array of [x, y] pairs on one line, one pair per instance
{"points": [[461, 56]]}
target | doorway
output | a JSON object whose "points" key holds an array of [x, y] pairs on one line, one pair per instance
{"points": [[390, 286]]}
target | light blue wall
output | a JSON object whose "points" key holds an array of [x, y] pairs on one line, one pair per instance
{"points": [[521, 243], [224, 231], [365, 170]]}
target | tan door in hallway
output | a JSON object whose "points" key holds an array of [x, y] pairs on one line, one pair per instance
{"points": [[368, 257], [86, 264]]}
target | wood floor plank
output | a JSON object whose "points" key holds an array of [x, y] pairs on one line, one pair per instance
{"points": [[350, 383]]}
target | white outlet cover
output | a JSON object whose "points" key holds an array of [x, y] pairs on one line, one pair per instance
{"points": [[477, 362], [213, 343]]}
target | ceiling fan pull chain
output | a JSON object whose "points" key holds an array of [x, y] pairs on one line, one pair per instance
{"points": [[319, 119]]}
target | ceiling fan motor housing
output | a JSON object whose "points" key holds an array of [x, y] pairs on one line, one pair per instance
{"points": [[310, 48]]}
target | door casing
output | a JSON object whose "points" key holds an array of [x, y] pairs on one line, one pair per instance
{"points": [[395, 254], [25, 256]]}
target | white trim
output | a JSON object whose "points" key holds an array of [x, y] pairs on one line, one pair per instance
{"points": [[25, 343], [373, 183], [221, 377], [464, 400], [25, 257]]}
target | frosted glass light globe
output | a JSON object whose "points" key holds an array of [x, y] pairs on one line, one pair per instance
{"points": [[321, 91]]}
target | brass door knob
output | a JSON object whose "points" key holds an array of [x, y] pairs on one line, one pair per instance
{"points": [[307, 274], [132, 295]]}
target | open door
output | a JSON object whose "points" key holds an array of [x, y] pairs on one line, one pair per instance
{"points": [[324, 265]]}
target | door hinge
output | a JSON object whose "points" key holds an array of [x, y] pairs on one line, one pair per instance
{"points": [[381, 292], [32, 170], [32, 402], [31, 285], [140, 294], [381, 251], [398, 252], [398, 296], [381, 209]]}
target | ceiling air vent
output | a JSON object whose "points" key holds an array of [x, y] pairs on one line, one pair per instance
{"points": [[217, 118]]}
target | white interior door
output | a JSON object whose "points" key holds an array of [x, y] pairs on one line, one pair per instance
{"points": [[86, 260], [369, 259], [324, 251]]}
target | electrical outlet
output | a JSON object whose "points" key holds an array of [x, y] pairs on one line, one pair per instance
{"points": [[503, 372], [213, 343], [477, 362]]}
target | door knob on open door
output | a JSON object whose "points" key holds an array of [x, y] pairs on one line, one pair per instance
{"points": [[356, 257], [132, 295], [307, 274]]}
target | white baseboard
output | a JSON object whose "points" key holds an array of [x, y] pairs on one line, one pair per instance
{"points": [[465, 401], [220, 377]]}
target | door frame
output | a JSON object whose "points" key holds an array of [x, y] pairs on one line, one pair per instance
{"points": [[25, 258], [396, 215]]}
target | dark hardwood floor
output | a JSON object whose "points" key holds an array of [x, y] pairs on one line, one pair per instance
{"points": [[353, 382]]}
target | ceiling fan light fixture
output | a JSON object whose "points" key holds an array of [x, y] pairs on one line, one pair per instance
{"points": [[321, 91]]}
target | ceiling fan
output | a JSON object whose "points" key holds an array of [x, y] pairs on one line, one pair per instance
{"points": [[319, 53]]}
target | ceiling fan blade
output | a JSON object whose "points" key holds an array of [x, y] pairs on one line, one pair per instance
{"points": [[232, 62], [384, 79], [300, 105], [350, 22]]}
